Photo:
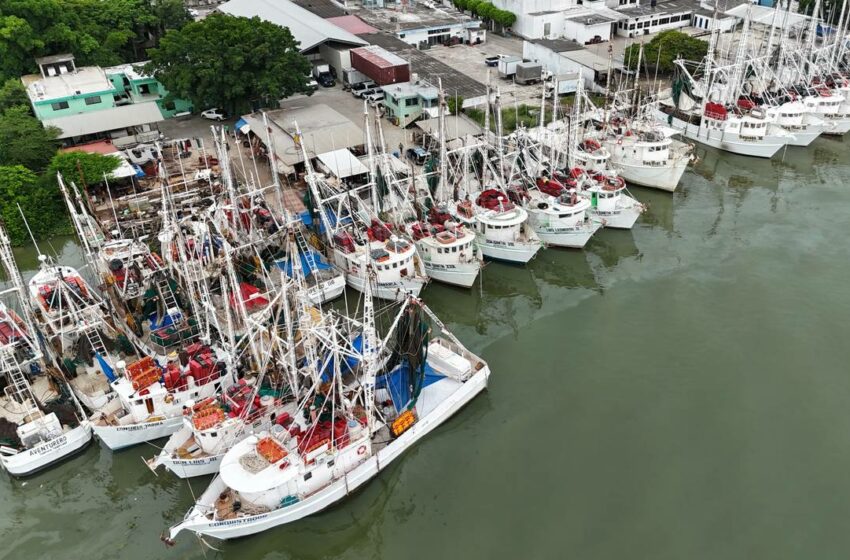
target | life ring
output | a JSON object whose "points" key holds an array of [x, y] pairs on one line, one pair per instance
{"points": [[169, 398], [361, 450], [619, 140]]}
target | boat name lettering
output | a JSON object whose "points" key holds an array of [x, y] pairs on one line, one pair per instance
{"points": [[137, 427], [41, 450], [239, 521]]}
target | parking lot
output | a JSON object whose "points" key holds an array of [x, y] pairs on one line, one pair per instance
{"points": [[469, 60]]}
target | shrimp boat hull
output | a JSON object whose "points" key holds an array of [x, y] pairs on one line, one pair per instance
{"points": [[728, 142], [804, 137], [42, 456], [460, 274], [189, 468], [839, 126], [393, 291], [506, 251], [569, 237], [121, 437], [665, 178], [197, 522], [624, 218], [327, 290]]}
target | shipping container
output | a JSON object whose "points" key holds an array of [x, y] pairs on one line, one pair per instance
{"points": [[381, 65]]}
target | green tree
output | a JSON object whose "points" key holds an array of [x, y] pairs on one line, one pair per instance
{"points": [[23, 141], [506, 18], [230, 62], [664, 49], [99, 32], [455, 104], [12, 93], [80, 167], [44, 212]]}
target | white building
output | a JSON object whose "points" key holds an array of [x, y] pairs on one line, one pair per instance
{"points": [[537, 19], [562, 57], [650, 16]]}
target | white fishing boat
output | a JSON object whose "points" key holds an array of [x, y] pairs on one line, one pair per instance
{"points": [[804, 127], [502, 231], [610, 203], [210, 427], [34, 437], [648, 158], [447, 248], [151, 398], [330, 450], [558, 215]]}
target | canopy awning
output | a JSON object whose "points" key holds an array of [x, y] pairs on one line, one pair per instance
{"points": [[242, 126], [342, 163]]}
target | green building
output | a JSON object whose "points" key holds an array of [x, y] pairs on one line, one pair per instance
{"points": [[405, 102], [92, 103]]}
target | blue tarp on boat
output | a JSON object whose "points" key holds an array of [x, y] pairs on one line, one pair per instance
{"points": [[307, 265], [327, 368], [397, 383]]}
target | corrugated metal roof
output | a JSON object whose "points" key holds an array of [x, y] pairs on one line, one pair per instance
{"points": [[308, 29], [352, 24], [380, 57], [104, 120], [322, 128]]}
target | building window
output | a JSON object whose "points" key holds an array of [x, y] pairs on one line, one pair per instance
{"points": [[93, 100], [59, 105], [144, 89], [411, 101]]}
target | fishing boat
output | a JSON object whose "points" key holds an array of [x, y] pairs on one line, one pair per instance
{"points": [[342, 436], [151, 397], [610, 203], [648, 158], [502, 231], [558, 215], [39, 426], [448, 249]]}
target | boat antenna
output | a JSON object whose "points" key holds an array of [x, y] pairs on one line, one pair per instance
{"points": [[29, 231]]}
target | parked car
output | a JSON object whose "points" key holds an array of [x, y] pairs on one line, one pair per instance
{"points": [[596, 40], [417, 154], [362, 93], [214, 114], [375, 97], [312, 84], [357, 89]]}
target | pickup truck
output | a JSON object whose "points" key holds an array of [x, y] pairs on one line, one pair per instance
{"points": [[493, 61]]}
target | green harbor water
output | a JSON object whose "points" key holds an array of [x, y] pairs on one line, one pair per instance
{"points": [[678, 391]]}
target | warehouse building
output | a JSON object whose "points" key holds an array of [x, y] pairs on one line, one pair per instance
{"points": [[319, 39]]}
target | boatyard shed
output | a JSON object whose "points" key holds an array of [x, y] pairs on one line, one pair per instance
{"points": [[323, 130]]}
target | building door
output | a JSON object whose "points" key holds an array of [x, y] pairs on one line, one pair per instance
{"points": [[547, 29]]}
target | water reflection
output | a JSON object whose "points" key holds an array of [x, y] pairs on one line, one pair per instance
{"points": [[564, 268], [659, 207], [612, 246]]}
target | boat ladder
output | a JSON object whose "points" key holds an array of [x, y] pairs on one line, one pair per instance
{"points": [[19, 388], [93, 336], [168, 297], [306, 250]]}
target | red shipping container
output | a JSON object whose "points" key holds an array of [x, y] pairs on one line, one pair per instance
{"points": [[381, 65]]}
